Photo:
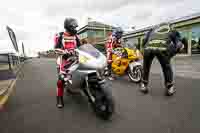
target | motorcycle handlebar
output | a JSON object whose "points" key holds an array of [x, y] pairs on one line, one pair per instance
{"points": [[65, 52]]}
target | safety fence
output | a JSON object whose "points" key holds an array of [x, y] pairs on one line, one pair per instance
{"points": [[10, 60]]}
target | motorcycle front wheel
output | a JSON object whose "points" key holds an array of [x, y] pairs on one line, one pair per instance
{"points": [[135, 75], [104, 103]]}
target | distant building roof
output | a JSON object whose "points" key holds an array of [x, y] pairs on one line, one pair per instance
{"points": [[98, 24], [139, 30], [95, 24], [185, 18]]}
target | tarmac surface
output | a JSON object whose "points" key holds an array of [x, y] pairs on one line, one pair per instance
{"points": [[31, 108]]}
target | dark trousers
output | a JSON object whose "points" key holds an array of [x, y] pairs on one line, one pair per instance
{"points": [[164, 59]]}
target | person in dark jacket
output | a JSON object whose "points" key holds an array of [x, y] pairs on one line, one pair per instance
{"points": [[162, 42]]}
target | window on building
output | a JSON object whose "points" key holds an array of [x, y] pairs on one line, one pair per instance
{"points": [[91, 34], [136, 43], [133, 42], [185, 38], [195, 44], [99, 34], [83, 35]]}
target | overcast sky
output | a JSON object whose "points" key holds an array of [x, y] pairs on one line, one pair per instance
{"points": [[36, 21]]}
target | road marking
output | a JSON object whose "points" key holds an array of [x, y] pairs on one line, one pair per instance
{"points": [[10, 90], [5, 97]]}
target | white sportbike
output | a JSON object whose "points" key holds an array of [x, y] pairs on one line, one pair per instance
{"points": [[88, 77]]}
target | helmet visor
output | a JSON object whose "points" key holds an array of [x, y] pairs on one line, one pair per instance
{"points": [[74, 24]]}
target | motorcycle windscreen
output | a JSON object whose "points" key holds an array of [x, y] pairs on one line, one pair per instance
{"points": [[88, 48]]}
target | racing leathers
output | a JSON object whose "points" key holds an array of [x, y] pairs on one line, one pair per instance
{"points": [[65, 43], [112, 43], [164, 43]]}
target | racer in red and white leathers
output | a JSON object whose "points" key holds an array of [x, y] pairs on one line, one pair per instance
{"points": [[65, 44], [114, 41]]}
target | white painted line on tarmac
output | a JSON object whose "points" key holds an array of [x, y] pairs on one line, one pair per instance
{"points": [[4, 99], [10, 88]]}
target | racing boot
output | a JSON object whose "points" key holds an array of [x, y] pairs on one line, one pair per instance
{"points": [[60, 89], [170, 90], [111, 78], [60, 102], [143, 88]]}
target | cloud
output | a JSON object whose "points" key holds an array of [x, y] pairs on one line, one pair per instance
{"points": [[106, 5], [35, 22], [79, 7]]}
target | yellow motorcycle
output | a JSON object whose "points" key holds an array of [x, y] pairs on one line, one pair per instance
{"points": [[127, 61]]}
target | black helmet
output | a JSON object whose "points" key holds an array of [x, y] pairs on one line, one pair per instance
{"points": [[118, 32], [70, 24]]}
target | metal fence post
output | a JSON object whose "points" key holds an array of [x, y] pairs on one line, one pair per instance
{"points": [[9, 63], [19, 60], [13, 60]]}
